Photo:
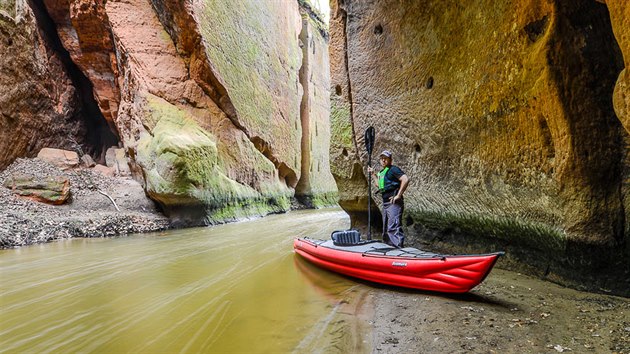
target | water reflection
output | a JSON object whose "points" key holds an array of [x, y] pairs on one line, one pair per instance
{"points": [[230, 288]]}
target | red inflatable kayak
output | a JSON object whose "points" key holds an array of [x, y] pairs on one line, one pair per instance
{"points": [[404, 267]]}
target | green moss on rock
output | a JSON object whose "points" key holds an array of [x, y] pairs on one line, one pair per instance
{"points": [[8, 7], [538, 236], [183, 168], [254, 62], [340, 125], [319, 200]]}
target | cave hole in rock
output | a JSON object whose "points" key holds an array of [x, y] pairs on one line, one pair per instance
{"points": [[429, 84], [344, 152], [536, 29], [96, 135], [338, 90], [378, 29], [417, 150]]}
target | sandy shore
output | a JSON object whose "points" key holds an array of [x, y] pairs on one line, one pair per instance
{"points": [[508, 313]]}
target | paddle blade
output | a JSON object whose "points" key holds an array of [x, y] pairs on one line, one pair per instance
{"points": [[370, 134]]}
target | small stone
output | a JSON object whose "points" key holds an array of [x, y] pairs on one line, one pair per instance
{"points": [[87, 161]]}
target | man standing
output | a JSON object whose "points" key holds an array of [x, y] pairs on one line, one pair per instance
{"points": [[392, 183]]}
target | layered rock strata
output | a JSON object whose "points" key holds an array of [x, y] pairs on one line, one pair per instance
{"points": [[502, 115]]}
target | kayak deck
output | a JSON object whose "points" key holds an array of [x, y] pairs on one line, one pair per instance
{"points": [[376, 248], [406, 267]]}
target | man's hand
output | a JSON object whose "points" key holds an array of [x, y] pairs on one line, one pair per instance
{"points": [[394, 199]]}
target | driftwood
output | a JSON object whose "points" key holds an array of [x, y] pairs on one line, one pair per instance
{"points": [[110, 198]]}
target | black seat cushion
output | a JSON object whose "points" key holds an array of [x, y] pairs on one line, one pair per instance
{"points": [[346, 237]]}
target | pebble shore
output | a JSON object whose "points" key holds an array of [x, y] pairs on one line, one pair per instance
{"points": [[88, 214]]}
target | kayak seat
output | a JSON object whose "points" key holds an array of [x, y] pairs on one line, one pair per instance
{"points": [[350, 237]]}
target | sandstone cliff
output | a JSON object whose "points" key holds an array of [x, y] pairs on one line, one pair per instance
{"points": [[502, 114], [207, 98]]}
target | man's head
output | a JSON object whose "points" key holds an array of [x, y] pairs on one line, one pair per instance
{"points": [[385, 158]]}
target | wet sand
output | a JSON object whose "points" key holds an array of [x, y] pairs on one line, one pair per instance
{"points": [[508, 313]]}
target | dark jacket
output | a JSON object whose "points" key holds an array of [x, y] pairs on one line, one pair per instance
{"points": [[392, 182]]}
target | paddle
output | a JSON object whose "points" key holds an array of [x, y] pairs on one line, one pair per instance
{"points": [[370, 134]]}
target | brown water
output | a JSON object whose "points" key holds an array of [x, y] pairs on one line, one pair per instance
{"points": [[229, 288]]}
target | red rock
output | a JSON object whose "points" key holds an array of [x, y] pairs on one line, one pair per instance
{"points": [[84, 30], [63, 159]]}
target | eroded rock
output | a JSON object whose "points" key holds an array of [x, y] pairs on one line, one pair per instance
{"points": [[39, 106]]}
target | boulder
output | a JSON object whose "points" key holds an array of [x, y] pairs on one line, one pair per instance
{"points": [[117, 159], [51, 190], [63, 159]]}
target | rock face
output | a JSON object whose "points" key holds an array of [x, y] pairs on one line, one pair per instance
{"points": [[205, 98], [313, 188], [620, 19], [502, 115]]}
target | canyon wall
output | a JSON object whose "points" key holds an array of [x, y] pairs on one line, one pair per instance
{"points": [[502, 115], [313, 189], [205, 97]]}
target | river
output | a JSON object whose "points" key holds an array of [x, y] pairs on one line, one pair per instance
{"points": [[229, 288], [240, 288]]}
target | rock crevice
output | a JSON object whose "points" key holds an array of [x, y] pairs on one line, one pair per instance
{"points": [[101, 133]]}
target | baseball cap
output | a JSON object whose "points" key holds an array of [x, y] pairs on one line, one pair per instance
{"points": [[386, 153]]}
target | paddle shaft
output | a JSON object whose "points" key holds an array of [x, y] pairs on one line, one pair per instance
{"points": [[370, 134], [369, 235]]}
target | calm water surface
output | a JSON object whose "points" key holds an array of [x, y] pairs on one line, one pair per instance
{"points": [[230, 288]]}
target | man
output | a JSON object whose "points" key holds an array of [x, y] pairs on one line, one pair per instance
{"points": [[392, 183]]}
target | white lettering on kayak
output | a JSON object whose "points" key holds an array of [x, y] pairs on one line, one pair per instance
{"points": [[399, 264]]}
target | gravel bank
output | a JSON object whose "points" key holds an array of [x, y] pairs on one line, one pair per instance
{"points": [[88, 214]]}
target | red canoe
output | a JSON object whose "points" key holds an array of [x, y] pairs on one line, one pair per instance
{"points": [[404, 267]]}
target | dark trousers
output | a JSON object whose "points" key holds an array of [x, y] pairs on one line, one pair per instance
{"points": [[392, 223]]}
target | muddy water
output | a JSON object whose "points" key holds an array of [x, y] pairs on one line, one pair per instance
{"points": [[230, 288], [240, 288]]}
